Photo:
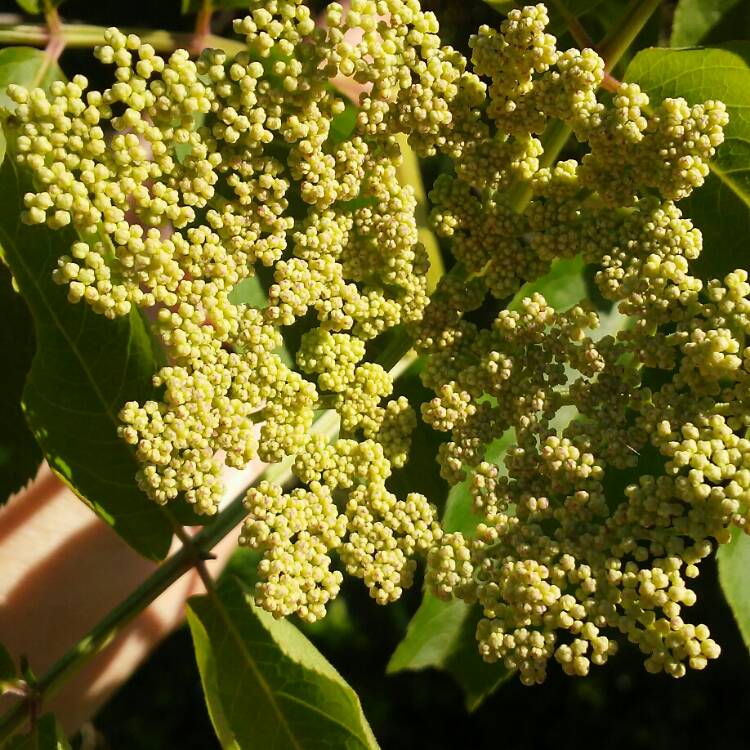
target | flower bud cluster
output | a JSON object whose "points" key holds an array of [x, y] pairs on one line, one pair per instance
{"points": [[629, 458], [376, 536]]}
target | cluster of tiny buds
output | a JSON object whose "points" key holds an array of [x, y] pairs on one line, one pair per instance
{"points": [[189, 181]]}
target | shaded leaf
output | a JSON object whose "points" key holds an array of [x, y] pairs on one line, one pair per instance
{"points": [[46, 735], [342, 125], [8, 669], [266, 685], [441, 633], [250, 292], [694, 19], [20, 454], [563, 285], [734, 576], [85, 369], [420, 473], [724, 201]]}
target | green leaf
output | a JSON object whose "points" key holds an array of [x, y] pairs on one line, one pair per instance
{"points": [[694, 19], [266, 685], [342, 125], [420, 473], [20, 455], [46, 735], [734, 565], [86, 367], [250, 292], [441, 633], [25, 66], [8, 669], [562, 286], [30, 6], [724, 201]]}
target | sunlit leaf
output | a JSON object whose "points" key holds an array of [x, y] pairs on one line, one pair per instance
{"points": [[265, 684], [724, 201]]}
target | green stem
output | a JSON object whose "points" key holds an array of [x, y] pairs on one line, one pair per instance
{"points": [[84, 35], [623, 34]]}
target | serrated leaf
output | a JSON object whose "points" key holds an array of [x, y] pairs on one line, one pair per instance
{"points": [[721, 208], [20, 454], [47, 734], [733, 560], [85, 369], [694, 19], [266, 686]]}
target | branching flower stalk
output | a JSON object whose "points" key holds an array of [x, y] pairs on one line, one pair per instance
{"points": [[241, 158]]}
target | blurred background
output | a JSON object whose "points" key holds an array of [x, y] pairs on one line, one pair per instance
{"points": [[618, 706]]}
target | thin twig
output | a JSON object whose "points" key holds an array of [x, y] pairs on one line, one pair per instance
{"points": [[202, 32], [579, 34]]}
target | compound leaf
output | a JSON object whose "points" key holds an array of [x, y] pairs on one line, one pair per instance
{"points": [[724, 200], [266, 686]]}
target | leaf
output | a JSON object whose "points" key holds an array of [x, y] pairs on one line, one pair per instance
{"points": [[342, 125], [250, 292], [694, 19], [30, 6], [721, 208], [46, 735], [734, 576], [25, 66], [420, 473], [266, 685], [20, 454], [563, 285], [86, 367], [441, 633]]}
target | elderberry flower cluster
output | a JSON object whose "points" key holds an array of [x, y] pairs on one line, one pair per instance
{"points": [[188, 179]]}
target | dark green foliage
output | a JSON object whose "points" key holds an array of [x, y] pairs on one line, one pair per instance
{"points": [[20, 455]]}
